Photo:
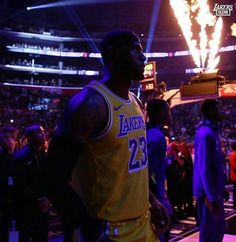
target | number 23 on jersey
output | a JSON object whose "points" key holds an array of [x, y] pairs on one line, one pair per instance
{"points": [[136, 144]]}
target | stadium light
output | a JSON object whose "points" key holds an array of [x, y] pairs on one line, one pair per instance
{"points": [[71, 3]]}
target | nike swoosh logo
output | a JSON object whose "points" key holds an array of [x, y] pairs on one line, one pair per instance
{"points": [[116, 108]]}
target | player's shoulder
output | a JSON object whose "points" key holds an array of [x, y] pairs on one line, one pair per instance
{"points": [[84, 114], [87, 99]]}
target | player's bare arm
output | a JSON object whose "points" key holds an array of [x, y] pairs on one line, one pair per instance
{"points": [[86, 116]]}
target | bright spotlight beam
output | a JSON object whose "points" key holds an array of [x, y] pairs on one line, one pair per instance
{"points": [[71, 3], [77, 22], [154, 19]]}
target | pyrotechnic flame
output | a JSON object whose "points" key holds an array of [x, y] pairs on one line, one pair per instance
{"points": [[214, 45], [203, 49]]}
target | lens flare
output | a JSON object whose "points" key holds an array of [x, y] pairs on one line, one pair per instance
{"points": [[201, 29]]}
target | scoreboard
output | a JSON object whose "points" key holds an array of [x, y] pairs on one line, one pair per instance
{"points": [[149, 81]]}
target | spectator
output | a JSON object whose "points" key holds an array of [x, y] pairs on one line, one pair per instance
{"points": [[175, 178], [32, 204], [8, 144], [186, 157]]}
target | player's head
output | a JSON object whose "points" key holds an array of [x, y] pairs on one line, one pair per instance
{"points": [[117, 39], [35, 135], [8, 137], [211, 111], [158, 111], [121, 51]]}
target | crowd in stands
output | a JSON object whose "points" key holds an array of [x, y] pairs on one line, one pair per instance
{"points": [[39, 47], [36, 47], [18, 107], [56, 82], [41, 82], [15, 98], [26, 62]]}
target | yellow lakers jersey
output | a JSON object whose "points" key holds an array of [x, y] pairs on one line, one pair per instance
{"points": [[111, 174]]}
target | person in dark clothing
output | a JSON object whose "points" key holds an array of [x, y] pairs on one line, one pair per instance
{"points": [[32, 204], [209, 177], [67, 229], [7, 150], [158, 112], [186, 157], [175, 176]]}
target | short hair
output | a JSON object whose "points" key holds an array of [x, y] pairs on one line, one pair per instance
{"points": [[117, 39], [233, 146], [155, 107], [207, 106], [31, 129]]}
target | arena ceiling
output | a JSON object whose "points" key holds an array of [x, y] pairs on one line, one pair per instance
{"points": [[106, 15]]}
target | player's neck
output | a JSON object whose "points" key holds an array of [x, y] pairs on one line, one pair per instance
{"points": [[118, 85]]}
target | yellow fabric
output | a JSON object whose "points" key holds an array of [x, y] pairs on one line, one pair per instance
{"points": [[136, 230], [111, 174]]}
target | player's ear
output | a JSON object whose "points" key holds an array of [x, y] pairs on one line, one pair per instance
{"points": [[114, 52]]}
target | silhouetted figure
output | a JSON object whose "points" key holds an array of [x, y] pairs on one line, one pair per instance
{"points": [[209, 177], [8, 137], [158, 112], [32, 204]]}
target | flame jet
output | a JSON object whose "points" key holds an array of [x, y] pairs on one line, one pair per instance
{"points": [[201, 29]]}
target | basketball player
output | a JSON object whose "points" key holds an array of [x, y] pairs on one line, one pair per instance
{"points": [[98, 155], [209, 177]]}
